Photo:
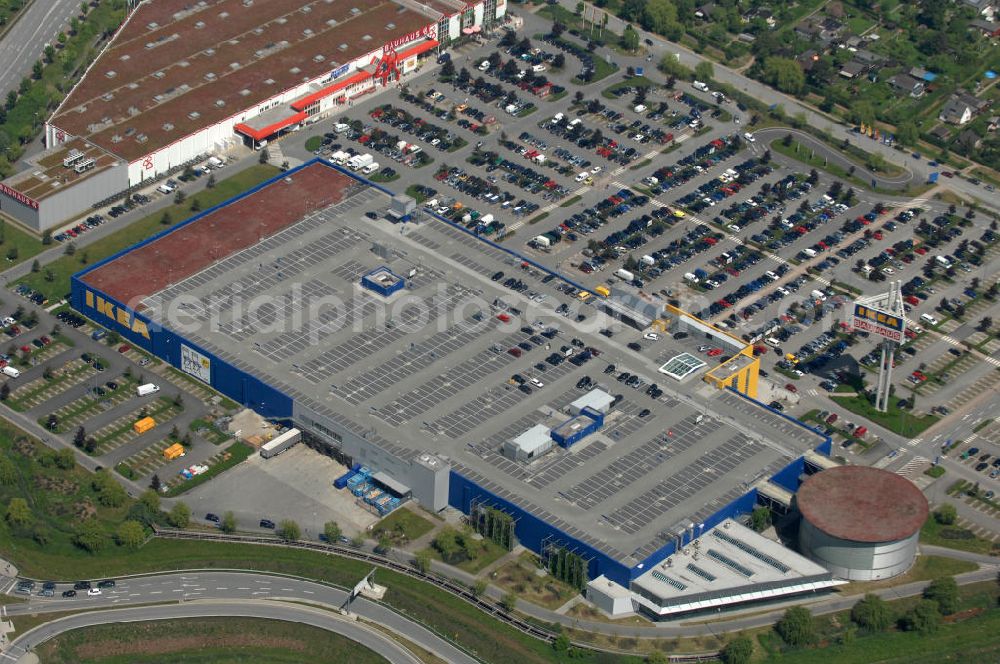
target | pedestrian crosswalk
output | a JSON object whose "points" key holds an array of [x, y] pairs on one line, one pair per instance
{"points": [[914, 442], [912, 466]]}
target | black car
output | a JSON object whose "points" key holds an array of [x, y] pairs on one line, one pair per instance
{"points": [[69, 593], [634, 346], [267, 523], [777, 406], [610, 369], [371, 215], [81, 585], [106, 583], [214, 518], [644, 412], [49, 585], [680, 335]]}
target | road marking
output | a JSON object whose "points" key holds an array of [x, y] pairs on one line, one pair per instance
{"points": [[243, 589], [911, 466], [915, 442], [222, 588], [177, 590], [156, 592]]}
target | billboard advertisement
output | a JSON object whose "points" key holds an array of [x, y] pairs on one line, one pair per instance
{"points": [[196, 364], [883, 323]]}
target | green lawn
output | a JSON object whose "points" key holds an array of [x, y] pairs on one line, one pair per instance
{"points": [[314, 143], [898, 421], [238, 452], [17, 245], [217, 640], [954, 537], [65, 266], [403, 523]]}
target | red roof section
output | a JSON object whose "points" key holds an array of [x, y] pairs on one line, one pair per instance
{"points": [[862, 504], [264, 132], [300, 104], [422, 47]]}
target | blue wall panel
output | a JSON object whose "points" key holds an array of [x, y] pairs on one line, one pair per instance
{"points": [[788, 477], [532, 531]]}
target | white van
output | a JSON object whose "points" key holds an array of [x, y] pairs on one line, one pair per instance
{"points": [[484, 65], [772, 342], [165, 188], [698, 85], [11, 371], [147, 389], [942, 261], [370, 168], [927, 318], [811, 253], [340, 128], [640, 108]]}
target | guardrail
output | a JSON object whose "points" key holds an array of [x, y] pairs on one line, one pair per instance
{"points": [[455, 588]]}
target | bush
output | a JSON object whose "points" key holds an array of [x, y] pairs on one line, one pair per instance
{"points": [[737, 651], [228, 524], [109, 492], [946, 514], [923, 618], [90, 537], [944, 592], [872, 613], [289, 530], [179, 515], [130, 534], [18, 513], [796, 627]]}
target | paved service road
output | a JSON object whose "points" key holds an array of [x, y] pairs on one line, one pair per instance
{"points": [[24, 43], [356, 631], [238, 588]]}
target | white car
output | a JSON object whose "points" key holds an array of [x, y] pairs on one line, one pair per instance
{"points": [[652, 336], [749, 137], [888, 270], [582, 176], [93, 592], [596, 169], [537, 383]]}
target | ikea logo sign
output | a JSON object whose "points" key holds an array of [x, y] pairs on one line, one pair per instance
{"points": [[877, 316], [121, 315]]}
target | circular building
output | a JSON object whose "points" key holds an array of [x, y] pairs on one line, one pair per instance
{"points": [[861, 523]]}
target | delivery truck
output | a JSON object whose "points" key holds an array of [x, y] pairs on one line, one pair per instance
{"points": [[624, 274], [279, 444], [147, 389], [11, 371]]}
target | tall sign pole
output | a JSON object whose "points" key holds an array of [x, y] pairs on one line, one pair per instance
{"points": [[883, 315]]}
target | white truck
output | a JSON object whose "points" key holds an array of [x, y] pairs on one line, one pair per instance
{"points": [[624, 274], [542, 241], [370, 168], [11, 371], [147, 389], [340, 128], [280, 443], [340, 157], [359, 161], [215, 162]]}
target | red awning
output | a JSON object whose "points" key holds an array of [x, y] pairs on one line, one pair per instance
{"points": [[300, 104], [422, 47], [271, 129]]}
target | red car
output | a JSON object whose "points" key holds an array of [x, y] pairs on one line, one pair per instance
{"points": [[124, 348], [860, 432], [791, 388], [26, 349], [503, 317], [516, 352], [714, 352]]}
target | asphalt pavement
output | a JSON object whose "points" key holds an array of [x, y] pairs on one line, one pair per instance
{"points": [[37, 25], [359, 632]]}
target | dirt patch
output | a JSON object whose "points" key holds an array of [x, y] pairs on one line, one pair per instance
{"points": [[84, 510], [963, 615], [157, 645], [63, 487], [24, 447]]}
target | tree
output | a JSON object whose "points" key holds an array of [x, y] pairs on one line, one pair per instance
{"points": [[210, 183], [559, 61], [109, 492], [195, 204], [447, 544], [331, 529], [784, 74], [448, 69], [74, 25], [228, 523], [946, 514], [289, 530], [657, 657], [264, 157], [154, 482], [479, 587], [422, 561], [166, 219], [50, 53], [80, 436], [90, 537], [151, 500], [64, 459], [760, 519], [11, 100], [18, 514], [508, 602], [704, 71], [561, 643], [179, 197], [630, 39], [872, 613], [179, 515], [660, 16], [737, 651], [36, 70], [944, 591], [130, 534], [796, 627], [923, 618], [4, 392], [52, 423], [70, 249]]}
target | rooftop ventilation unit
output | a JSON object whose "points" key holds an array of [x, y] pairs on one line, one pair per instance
{"points": [[390, 26], [152, 25], [234, 65], [109, 96], [355, 11], [111, 73], [248, 3], [133, 85], [194, 115], [295, 70], [269, 81], [306, 9], [141, 138], [183, 63], [319, 58], [167, 126], [209, 51], [281, 20], [209, 76], [125, 57], [258, 30], [343, 47], [308, 32], [244, 92], [332, 22], [223, 15], [199, 25], [220, 103], [158, 74], [366, 38]]}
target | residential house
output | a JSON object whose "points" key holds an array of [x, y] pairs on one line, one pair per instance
{"points": [[941, 132], [990, 29], [904, 83], [986, 8], [808, 32], [807, 60], [763, 13], [993, 123], [970, 140], [961, 108], [705, 12], [922, 74], [853, 69]]}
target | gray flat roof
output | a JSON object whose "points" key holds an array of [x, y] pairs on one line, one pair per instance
{"points": [[437, 379]]}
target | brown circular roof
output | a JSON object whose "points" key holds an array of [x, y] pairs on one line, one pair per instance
{"points": [[862, 504]]}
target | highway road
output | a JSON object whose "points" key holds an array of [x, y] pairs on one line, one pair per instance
{"points": [[24, 43], [356, 631], [791, 105], [239, 588]]}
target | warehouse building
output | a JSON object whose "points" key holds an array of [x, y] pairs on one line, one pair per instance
{"points": [[861, 523], [182, 80], [430, 402]]}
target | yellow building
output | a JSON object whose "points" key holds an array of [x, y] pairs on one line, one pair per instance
{"points": [[741, 371]]}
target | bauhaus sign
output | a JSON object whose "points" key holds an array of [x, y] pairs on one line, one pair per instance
{"points": [[428, 31], [19, 197], [876, 321]]}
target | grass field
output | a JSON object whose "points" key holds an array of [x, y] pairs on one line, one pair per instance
{"points": [[65, 266], [403, 524], [954, 537], [895, 420], [204, 641], [17, 243]]}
